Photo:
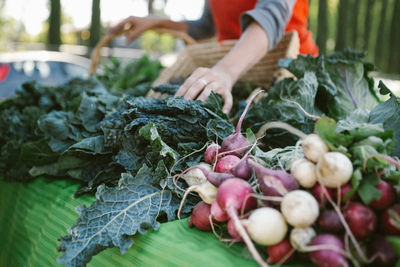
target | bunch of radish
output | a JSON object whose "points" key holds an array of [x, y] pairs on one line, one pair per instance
{"points": [[284, 215]]}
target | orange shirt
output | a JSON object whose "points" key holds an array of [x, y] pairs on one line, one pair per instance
{"points": [[226, 15]]}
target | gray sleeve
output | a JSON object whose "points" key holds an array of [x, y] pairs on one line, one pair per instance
{"points": [[272, 15], [203, 27]]}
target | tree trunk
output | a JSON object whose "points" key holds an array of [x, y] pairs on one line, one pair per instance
{"points": [[354, 23], [368, 23], [381, 40], [95, 25], [54, 33], [150, 6], [394, 60], [322, 31], [342, 25]]}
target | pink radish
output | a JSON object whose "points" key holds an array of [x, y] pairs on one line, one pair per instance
{"points": [[234, 195], [210, 155], [330, 252], [273, 182], [232, 232], [217, 213], [227, 164], [236, 144], [200, 217], [243, 170]]}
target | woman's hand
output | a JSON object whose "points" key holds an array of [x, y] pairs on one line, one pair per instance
{"points": [[203, 81], [137, 24]]}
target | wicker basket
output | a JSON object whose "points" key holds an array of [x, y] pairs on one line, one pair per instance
{"points": [[263, 74]]}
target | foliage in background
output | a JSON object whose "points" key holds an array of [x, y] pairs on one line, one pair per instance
{"points": [[54, 33]]}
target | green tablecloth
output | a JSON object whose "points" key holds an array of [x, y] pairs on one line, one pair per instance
{"points": [[33, 216]]}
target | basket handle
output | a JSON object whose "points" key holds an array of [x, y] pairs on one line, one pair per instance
{"points": [[95, 55]]}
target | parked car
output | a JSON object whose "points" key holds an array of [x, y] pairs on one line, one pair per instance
{"points": [[45, 67]]}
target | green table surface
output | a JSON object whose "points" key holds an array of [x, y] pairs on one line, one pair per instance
{"points": [[33, 216]]}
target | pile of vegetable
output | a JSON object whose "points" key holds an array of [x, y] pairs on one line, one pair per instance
{"points": [[334, 202], [155, 160]]}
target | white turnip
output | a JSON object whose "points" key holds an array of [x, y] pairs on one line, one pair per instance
{"points": [[300, 208], [334, 169], [313, 147], [266, 226], [234, 195], [304, 172], [301, 237]]}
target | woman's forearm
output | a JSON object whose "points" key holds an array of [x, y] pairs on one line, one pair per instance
{"points": [[250, 48]]}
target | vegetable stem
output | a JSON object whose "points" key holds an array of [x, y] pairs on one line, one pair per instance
{"points": [[240, 229], [280, 125]]}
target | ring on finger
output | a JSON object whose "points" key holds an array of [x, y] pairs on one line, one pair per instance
{"points": [[203, 81]]}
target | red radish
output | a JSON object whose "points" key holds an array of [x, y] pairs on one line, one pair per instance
{"points": [[234, 195], [214, 178], [226, 164], [266, 226], [390, 220], [330, 222], [243, 170], [319, 195], [387, 196], [236, 144], [360, 218], [210, 155], [304, 171], [313, 147], [334, 169], [301, 237], [383, 252], [330, 252], [280, 253], [344, 190], [200, 217], [217, 213], [273, 182], [300, 208]]}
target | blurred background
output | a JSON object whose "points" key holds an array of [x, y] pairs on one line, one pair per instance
{"points": [[75, 27]]}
